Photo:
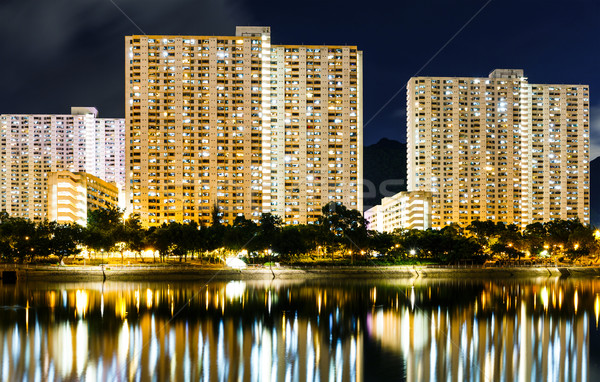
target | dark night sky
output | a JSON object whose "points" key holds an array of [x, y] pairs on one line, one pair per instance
{"points": [[62, 53]]}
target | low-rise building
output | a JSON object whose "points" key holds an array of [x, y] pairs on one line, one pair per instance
{"points": [[72, 194], [405, 210]]}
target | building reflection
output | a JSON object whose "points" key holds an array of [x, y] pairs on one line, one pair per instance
{"points": [[508, 332], [220, 333], [260, 331]]}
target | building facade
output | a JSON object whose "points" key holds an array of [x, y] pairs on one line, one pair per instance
{"points": [[34, 145], [404, 210], [71, 195], [239, 124], [498, 148]]}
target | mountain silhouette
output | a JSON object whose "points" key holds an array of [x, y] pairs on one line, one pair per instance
{"points": [[384, 171]]}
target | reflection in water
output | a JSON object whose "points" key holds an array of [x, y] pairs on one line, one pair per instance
{"points": [[462, 344], [130, 332], [257, 331]]}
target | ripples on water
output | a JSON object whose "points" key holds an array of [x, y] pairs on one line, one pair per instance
{"points": [[411, 330]]}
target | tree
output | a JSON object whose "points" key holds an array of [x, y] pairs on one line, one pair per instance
{"points": [[446, 245], [512, 239], [64, 240], [534, 238], [18, 236], [104, 228], [483, 231], [342, 228], [134, 235], [241, 234], [289, 242], [486, 233], [270, 227], [382, 242], [160, 239], [581, 242]]}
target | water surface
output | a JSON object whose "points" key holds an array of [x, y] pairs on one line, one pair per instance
{"points": [[415, 330]]}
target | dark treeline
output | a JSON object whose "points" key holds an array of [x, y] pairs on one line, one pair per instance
{"points": [[339, 236]]}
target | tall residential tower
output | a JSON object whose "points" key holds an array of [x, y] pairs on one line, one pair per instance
{"points": [[33, 145], [499, 148], [238, 124]]}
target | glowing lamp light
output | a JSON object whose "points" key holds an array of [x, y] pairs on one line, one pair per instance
{"points": [[235, 263]]}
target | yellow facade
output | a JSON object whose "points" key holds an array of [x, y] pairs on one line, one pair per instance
{"points": [[236, 123], [71, 195], [498, 148]]}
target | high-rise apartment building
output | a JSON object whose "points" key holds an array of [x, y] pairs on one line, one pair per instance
{"points": [[498, 148], [236, 123], [33, 145]]}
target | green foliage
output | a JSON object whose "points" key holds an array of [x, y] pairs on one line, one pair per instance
{"points": [[241, 234], [339, 237], [18, 237], [342, 229], [24, 241], [446, 245], [63, 240], [104, 229], [291, 241]]}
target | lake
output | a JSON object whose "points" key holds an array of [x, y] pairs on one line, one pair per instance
{"points": [[306, 330]]}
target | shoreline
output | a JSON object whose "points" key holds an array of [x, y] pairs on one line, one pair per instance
{"points": [[159, 272]]}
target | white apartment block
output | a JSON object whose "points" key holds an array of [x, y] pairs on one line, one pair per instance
{"points": [[404, 210], [33, 145], [499, 148], [238, 123]]}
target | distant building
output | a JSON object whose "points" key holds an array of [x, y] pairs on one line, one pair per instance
{"points": [[499, 148], [238, 123], [405, 210], [71, 195], [33, 145]]}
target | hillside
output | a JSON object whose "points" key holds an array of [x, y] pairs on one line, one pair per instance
{"points": [[384, 171], [595, 191]]}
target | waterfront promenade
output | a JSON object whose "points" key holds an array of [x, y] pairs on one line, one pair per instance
{"points": [[188, 272]]}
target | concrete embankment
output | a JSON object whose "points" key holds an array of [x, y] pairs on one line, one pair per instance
{"points": [[190, 272]]}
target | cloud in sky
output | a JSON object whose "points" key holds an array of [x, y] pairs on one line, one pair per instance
{"points": [[73, 51]]}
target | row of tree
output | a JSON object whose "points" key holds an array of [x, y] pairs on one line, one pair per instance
{"points": [[340, 233]]}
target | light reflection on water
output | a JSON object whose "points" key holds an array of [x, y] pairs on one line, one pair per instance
{"points": [[303, 331]]}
